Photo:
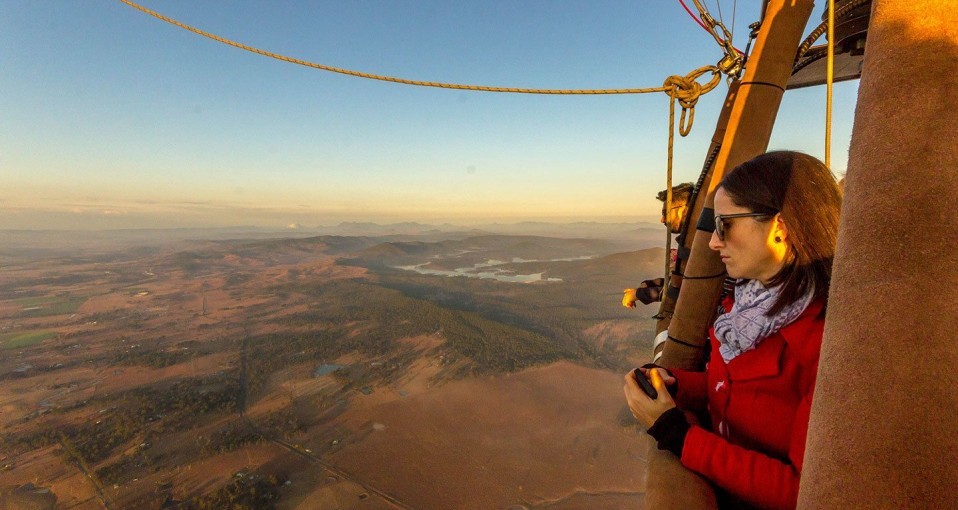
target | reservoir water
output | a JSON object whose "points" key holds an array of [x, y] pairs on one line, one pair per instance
{"points": [[488, 270]]}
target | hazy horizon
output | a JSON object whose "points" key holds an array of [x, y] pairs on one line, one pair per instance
{"points": [[109, 220]]}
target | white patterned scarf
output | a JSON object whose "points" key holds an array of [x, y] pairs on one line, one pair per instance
{"points": [[747, 324]]}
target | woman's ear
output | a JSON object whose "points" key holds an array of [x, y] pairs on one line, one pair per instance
{"points": [[780, 232]]}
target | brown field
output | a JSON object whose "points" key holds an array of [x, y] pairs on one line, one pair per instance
{"points": [[542, 437], [551, 436]]}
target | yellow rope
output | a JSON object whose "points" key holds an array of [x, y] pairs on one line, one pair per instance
{"points": [[515, 90], [684, 90], [668, 196], [829, 79]]}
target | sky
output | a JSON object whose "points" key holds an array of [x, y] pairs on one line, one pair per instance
{"points": [[110, 118]]}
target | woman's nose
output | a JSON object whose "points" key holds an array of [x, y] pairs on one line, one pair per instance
{"points": [[715, 243]]}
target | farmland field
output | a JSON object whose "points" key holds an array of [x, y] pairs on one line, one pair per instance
{"points": [[20, 340]]}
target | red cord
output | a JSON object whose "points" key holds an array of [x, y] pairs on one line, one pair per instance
{"points": [[697, 20]]}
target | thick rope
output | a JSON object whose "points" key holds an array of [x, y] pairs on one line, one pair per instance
{"points": [[686, 91], [359, 74], [668, 196]]}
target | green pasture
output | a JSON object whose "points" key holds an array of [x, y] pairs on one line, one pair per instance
{"points": [[24, 339], [50, 305], [36, 301]]}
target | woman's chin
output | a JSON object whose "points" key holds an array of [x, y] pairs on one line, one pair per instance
{"points": [[732, 272], [737, 275]]}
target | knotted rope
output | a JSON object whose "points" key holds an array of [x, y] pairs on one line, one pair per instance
{"points": [[686, 91]]}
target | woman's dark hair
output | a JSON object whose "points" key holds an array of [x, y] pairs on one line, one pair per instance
{"points": [[804, 191]]}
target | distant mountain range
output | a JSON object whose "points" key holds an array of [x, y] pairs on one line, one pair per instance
{"points": [[582, 229]]}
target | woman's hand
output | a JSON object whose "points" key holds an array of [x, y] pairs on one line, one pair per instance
{"points": [[663, 373], [646, 410]]}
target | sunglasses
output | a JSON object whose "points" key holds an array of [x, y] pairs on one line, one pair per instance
{"points": [[720, 219]]}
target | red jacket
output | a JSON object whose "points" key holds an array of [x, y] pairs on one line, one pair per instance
{"points": [[758, 404]]}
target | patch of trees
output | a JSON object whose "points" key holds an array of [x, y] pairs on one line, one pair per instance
{"points": [[32, 441], [95, 441], [107, 316], [387, 315], [268, 353], [237, 278], [67, 279], [191, 261], [194, 396], [132, 414], [150, 358], [120, 470], [177, 406], [544, 309], [243, 492], [133, 277], [231, 437], [560, 311]]}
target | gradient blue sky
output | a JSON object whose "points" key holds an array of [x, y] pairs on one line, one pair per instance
{"points": [[113, 119]]}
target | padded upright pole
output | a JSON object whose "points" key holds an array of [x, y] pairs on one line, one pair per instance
{"points": [[667, 307], [883, 432]]}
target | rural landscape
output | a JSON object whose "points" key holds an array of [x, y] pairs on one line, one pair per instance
{"points": [[409, 368]]}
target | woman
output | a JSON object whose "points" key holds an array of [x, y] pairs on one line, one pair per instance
{"points": [[776, 220]]}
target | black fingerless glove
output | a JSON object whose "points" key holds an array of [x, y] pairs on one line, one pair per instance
{"points": [[670, 430], [651, 292]]}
